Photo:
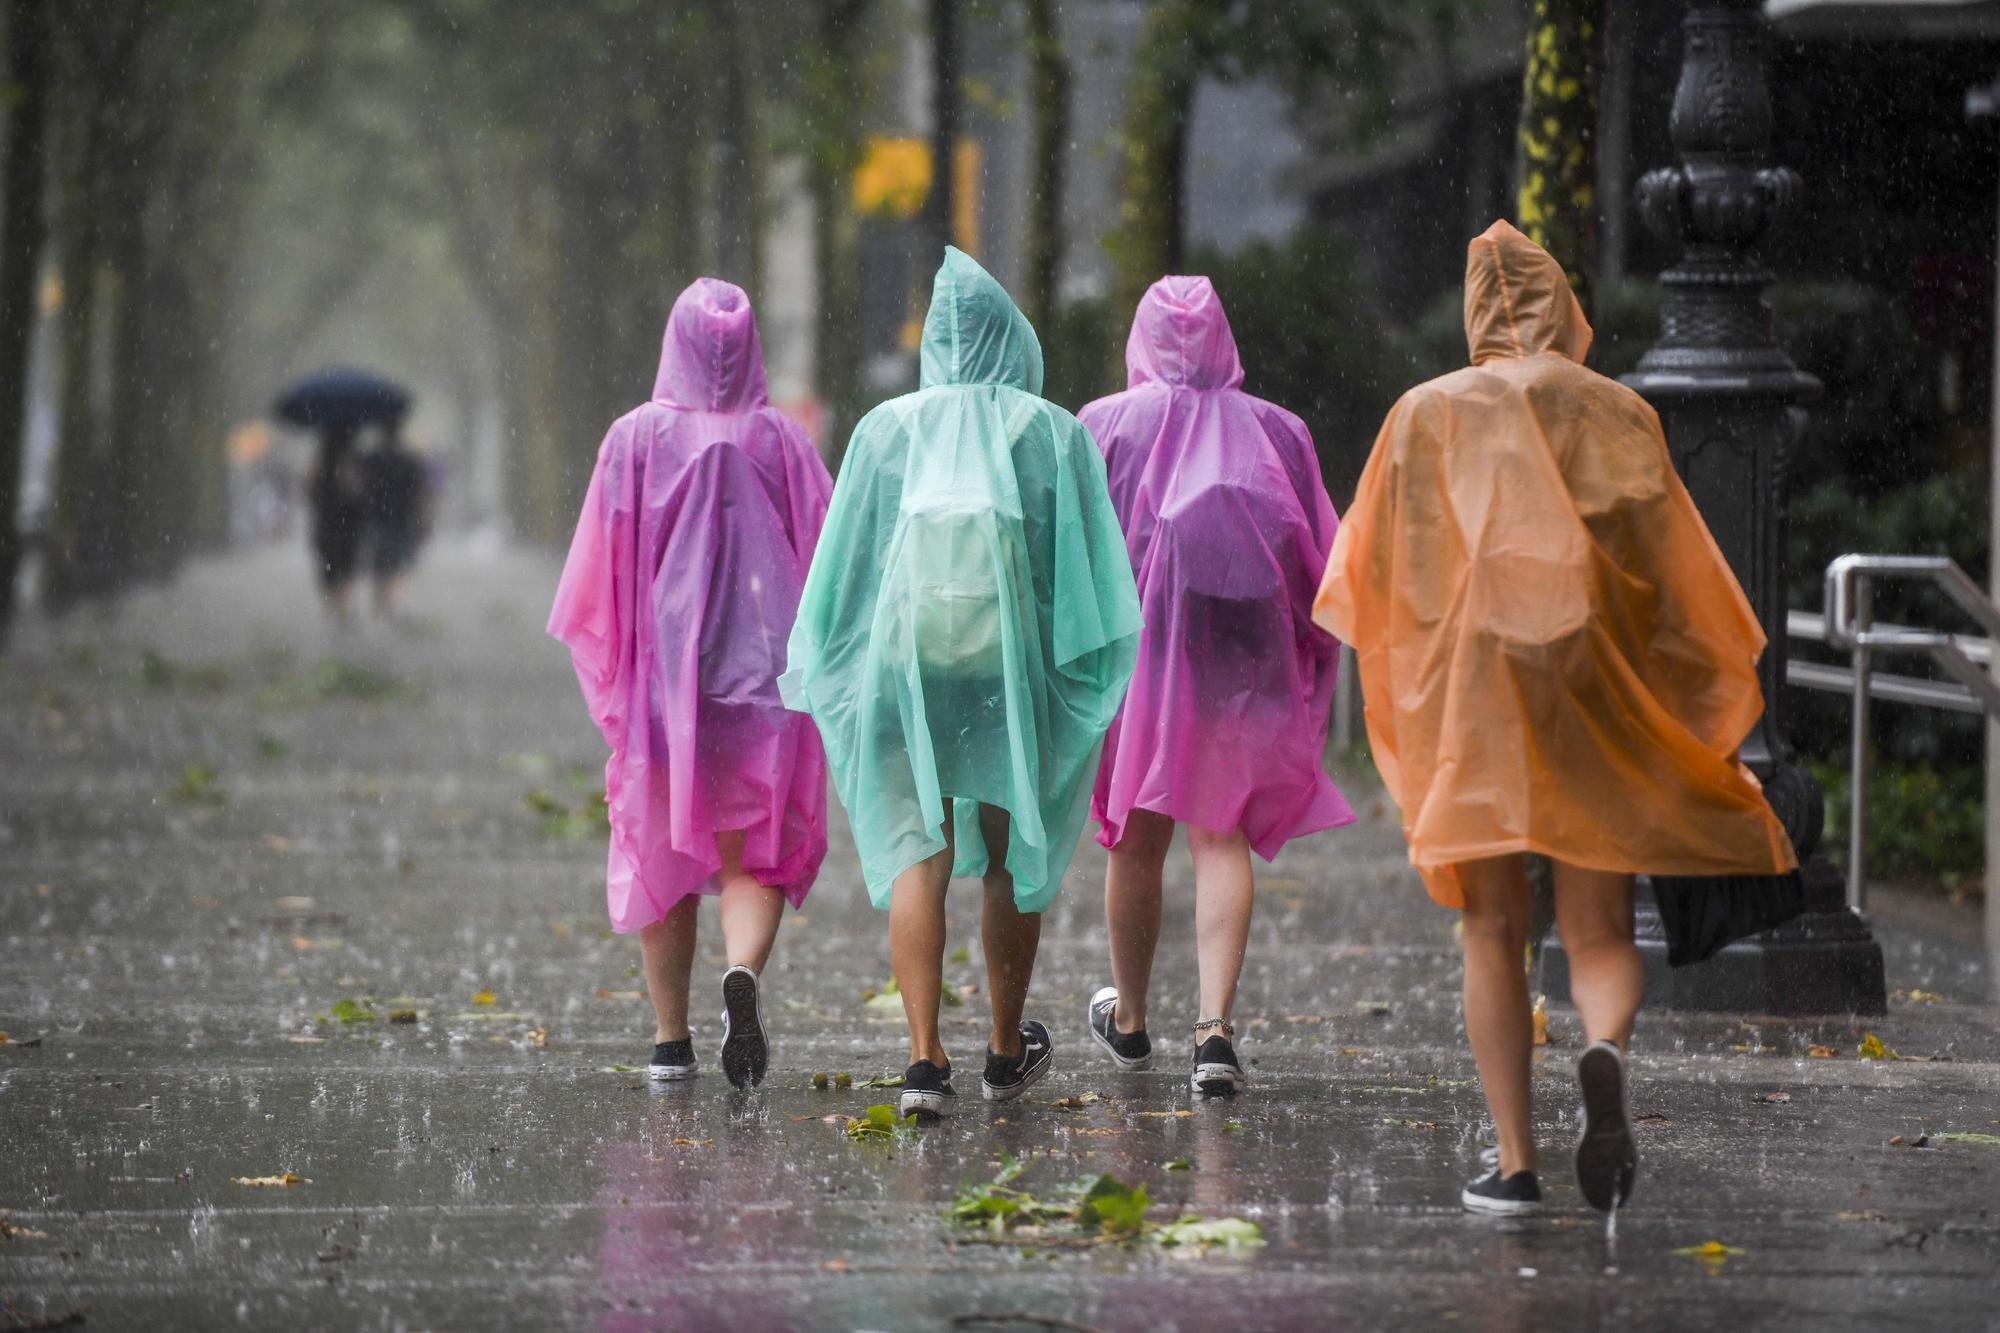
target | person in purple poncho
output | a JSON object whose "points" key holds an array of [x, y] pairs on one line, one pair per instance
{"points": [[1227, 523], [676, 603]]}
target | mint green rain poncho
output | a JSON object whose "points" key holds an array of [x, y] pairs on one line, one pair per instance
{"points": [[969, 621]]}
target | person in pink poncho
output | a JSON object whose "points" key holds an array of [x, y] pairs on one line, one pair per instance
{"points": [[676, 603], [1227, 521]]}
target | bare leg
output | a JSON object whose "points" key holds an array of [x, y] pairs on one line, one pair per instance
{"points": [[668, 949], [750, 912], [916, 946], [1223, 898], [1497, 1020], [1008, 936], [1132, 911], [1606, 977]]}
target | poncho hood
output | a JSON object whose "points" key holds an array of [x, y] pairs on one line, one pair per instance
{"points": [[710, 359], [974, 333], [1518, 301], [1180, 336]]}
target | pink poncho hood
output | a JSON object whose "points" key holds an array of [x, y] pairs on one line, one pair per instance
{"points": [[1226, 521], [676, 602]]}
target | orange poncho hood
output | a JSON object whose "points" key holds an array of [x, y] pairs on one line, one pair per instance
{"points": [[1554, 654]]}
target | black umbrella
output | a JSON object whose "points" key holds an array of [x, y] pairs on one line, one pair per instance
{"points": [[342, 397]]}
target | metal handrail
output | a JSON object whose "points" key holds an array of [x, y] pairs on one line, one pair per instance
{"points": [[1850, 624]]}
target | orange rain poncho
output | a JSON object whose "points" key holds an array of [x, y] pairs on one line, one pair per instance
{"points": [[1554, 654]]}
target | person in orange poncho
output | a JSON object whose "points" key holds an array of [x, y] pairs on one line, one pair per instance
{"points": [[1555, 658]]}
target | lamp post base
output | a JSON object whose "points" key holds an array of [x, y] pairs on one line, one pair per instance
{"points": [[1824, 962]]}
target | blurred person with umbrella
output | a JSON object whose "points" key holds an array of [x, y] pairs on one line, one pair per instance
{"points": [[337, 404]]}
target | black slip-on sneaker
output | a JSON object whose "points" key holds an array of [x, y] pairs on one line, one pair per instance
{"points": [[1216, 1069], [673, 1060], [1519, 1195], [1007, 1077], [1132, 1050], [927, 1092], [745, 1050], [1606, 1158]]}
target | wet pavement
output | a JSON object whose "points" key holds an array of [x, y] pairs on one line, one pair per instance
{"points": [[233, 846]]}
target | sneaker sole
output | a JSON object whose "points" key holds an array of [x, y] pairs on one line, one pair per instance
{"points": [[931, 1106], [1606, 1158], [1013, 1090], [671, 1073], [1124, 1062], [1218, 1080], [1479, 1203], [745, 1053]]}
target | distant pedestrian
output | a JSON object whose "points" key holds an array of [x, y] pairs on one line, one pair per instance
{"points": [[966, 634], [396, 512], [334, 492], [1228, 525], [1556, 659], [676, 601]]}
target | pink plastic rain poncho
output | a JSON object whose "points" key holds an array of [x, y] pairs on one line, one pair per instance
{"points": [[1228, 525], [676, 603]]}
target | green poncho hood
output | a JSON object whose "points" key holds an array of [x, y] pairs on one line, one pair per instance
{"points": [[974, 333], [970, 620]]}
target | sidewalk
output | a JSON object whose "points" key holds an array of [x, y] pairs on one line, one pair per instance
{"points": [[218, 824]]}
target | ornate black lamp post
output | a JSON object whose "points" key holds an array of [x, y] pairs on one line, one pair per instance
{"points": [[1729, 399]]}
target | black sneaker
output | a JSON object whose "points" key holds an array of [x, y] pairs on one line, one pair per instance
{"points": [[1007, 1077], [927, 1091], [1215, 1067], [1132, 1050], [745, 1052], [1519, 1195], [1606, 1157], [673, 1060]]}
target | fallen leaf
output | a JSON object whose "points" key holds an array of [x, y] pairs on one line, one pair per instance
{"points": [[1305, 1018], [1078, 1102], [691, 1143], [1540, 1017], [1772, 1098], [485, 999], [287, 1178], [1819, 1052], [621, 1069], [618, 994], [402, 1015], [1167, 1115], [1873, 1049], [10, 1230], [294, 904], [1377, 1008], [833, 1265], [1960, 1136], [1178, 1164], [43, 891], [538, 1036], [305, 1041], [1917, 996], [1713, 1254], [276, 842]]}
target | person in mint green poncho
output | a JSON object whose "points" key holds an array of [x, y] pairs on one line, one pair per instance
{"points": [[963, 642]]}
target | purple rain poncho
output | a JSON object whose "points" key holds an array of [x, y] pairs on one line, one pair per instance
{"points": [[1228, 524], [676, 603]]}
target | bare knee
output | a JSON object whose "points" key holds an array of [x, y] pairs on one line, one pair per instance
{"points": [[1147, 836], [1497, 926], [1207, 842]]}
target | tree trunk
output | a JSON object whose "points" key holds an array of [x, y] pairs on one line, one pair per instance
{"points": [[21, 237], [940, 207], [1556, 168], [834, 151], [1049, 78], [1149, 239]]}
